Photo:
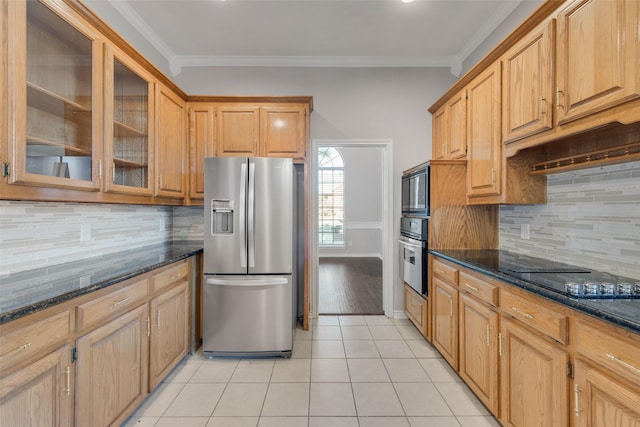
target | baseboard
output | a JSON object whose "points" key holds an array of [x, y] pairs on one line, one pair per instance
{"points": [[399, 314]]}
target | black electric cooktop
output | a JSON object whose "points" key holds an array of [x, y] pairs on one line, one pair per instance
{"points": [[566, 279]]}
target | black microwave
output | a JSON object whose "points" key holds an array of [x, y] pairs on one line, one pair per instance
{"points": [[415, 190]]}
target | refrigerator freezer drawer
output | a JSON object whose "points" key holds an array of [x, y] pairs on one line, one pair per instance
{"points": [[248, 316]]}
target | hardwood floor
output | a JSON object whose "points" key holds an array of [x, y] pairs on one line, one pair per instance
{"points": [[350, 286]]}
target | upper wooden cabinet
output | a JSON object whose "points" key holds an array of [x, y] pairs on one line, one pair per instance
{"points": [[527, 85], [484, 167], [54, 97], [450, 129], [598, 57], [491, 177], [202, 126], [238, 130], [171, 144], [265, 130], [283, 130], [129, 130]]}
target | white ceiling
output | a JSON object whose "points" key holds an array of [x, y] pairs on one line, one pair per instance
{"points": [[316, 33]]}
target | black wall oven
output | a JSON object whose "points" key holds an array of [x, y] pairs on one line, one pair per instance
{"points": [[415, 191], [413, 252]]}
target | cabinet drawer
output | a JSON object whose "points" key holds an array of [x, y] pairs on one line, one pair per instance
{"points": [[445, 270], [24, 342], [544, 320], [479, 288], [94, 311], [169, 276], [616, 354], [413, 305]]}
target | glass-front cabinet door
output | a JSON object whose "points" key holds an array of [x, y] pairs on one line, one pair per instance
{"points": [[128, 125], [55, 59]]}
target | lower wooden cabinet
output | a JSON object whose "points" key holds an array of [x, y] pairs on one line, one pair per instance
{"points": [[534, 382], [416, 308], [602, 401], [169, 336], [445, 320], [111, 370], [47, 383], [478, 359]]}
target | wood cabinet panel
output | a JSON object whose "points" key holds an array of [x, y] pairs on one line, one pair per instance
{"points": [[171, 144], [416, 308], [445, 270], [176, 272], [608, 350], [238, 130], [111, 304], [479, 288], [598, 57], [533, 313], [450, 129], [169, 339], [202, 127], [440, 135], [47, 384], [484, 167], [600, 401], [33, 338], [283, 131], [528, 84], [112, 368], [445, 320], [479, 350], [534, 382]]}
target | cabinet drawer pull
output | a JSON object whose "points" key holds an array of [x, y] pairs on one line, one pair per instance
{"points": [[622, 362], [148, 326], [576, 403], [499, 343], [473, 288], [543, 103], [158, 319], [488, 342], [119, 303], [439, 271], [18, 348], [175, 276], [67, 389], [451, 307], [522, 313], [558, 93]]}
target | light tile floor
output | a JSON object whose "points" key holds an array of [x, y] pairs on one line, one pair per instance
{"points": [[346, 371]]}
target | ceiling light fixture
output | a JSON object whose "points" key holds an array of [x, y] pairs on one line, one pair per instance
{"points": [[407, 1]]}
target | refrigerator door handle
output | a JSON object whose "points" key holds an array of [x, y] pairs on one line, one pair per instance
{"points": [[243, 207], [247, 282], [251, 207]]}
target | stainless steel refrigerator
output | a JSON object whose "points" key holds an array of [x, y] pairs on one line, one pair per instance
{"points": [[249, 306]]}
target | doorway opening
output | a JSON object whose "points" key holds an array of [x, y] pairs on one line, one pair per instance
{"points": [[349, 260]]}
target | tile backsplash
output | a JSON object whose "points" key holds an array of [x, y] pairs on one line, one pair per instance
{"points": [[591, 219], [40, 234]]}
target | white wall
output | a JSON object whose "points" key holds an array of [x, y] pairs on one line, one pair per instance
{"points": [[363, 203]]}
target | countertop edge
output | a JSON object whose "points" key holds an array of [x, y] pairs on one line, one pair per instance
{"points": [[50, 302], [574, 303]]}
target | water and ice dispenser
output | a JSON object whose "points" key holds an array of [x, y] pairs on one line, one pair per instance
{"points": [[221, 216]]}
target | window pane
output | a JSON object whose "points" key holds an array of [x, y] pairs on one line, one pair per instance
{"points": [[330, 197]]}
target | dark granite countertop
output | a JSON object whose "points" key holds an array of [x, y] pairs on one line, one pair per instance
{"points": [[621, 312], [29, 291]]}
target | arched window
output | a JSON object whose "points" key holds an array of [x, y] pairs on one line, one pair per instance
{"points": [[330, 197]]}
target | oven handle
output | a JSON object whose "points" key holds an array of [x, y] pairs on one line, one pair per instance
{"points": [[410, 245]]}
